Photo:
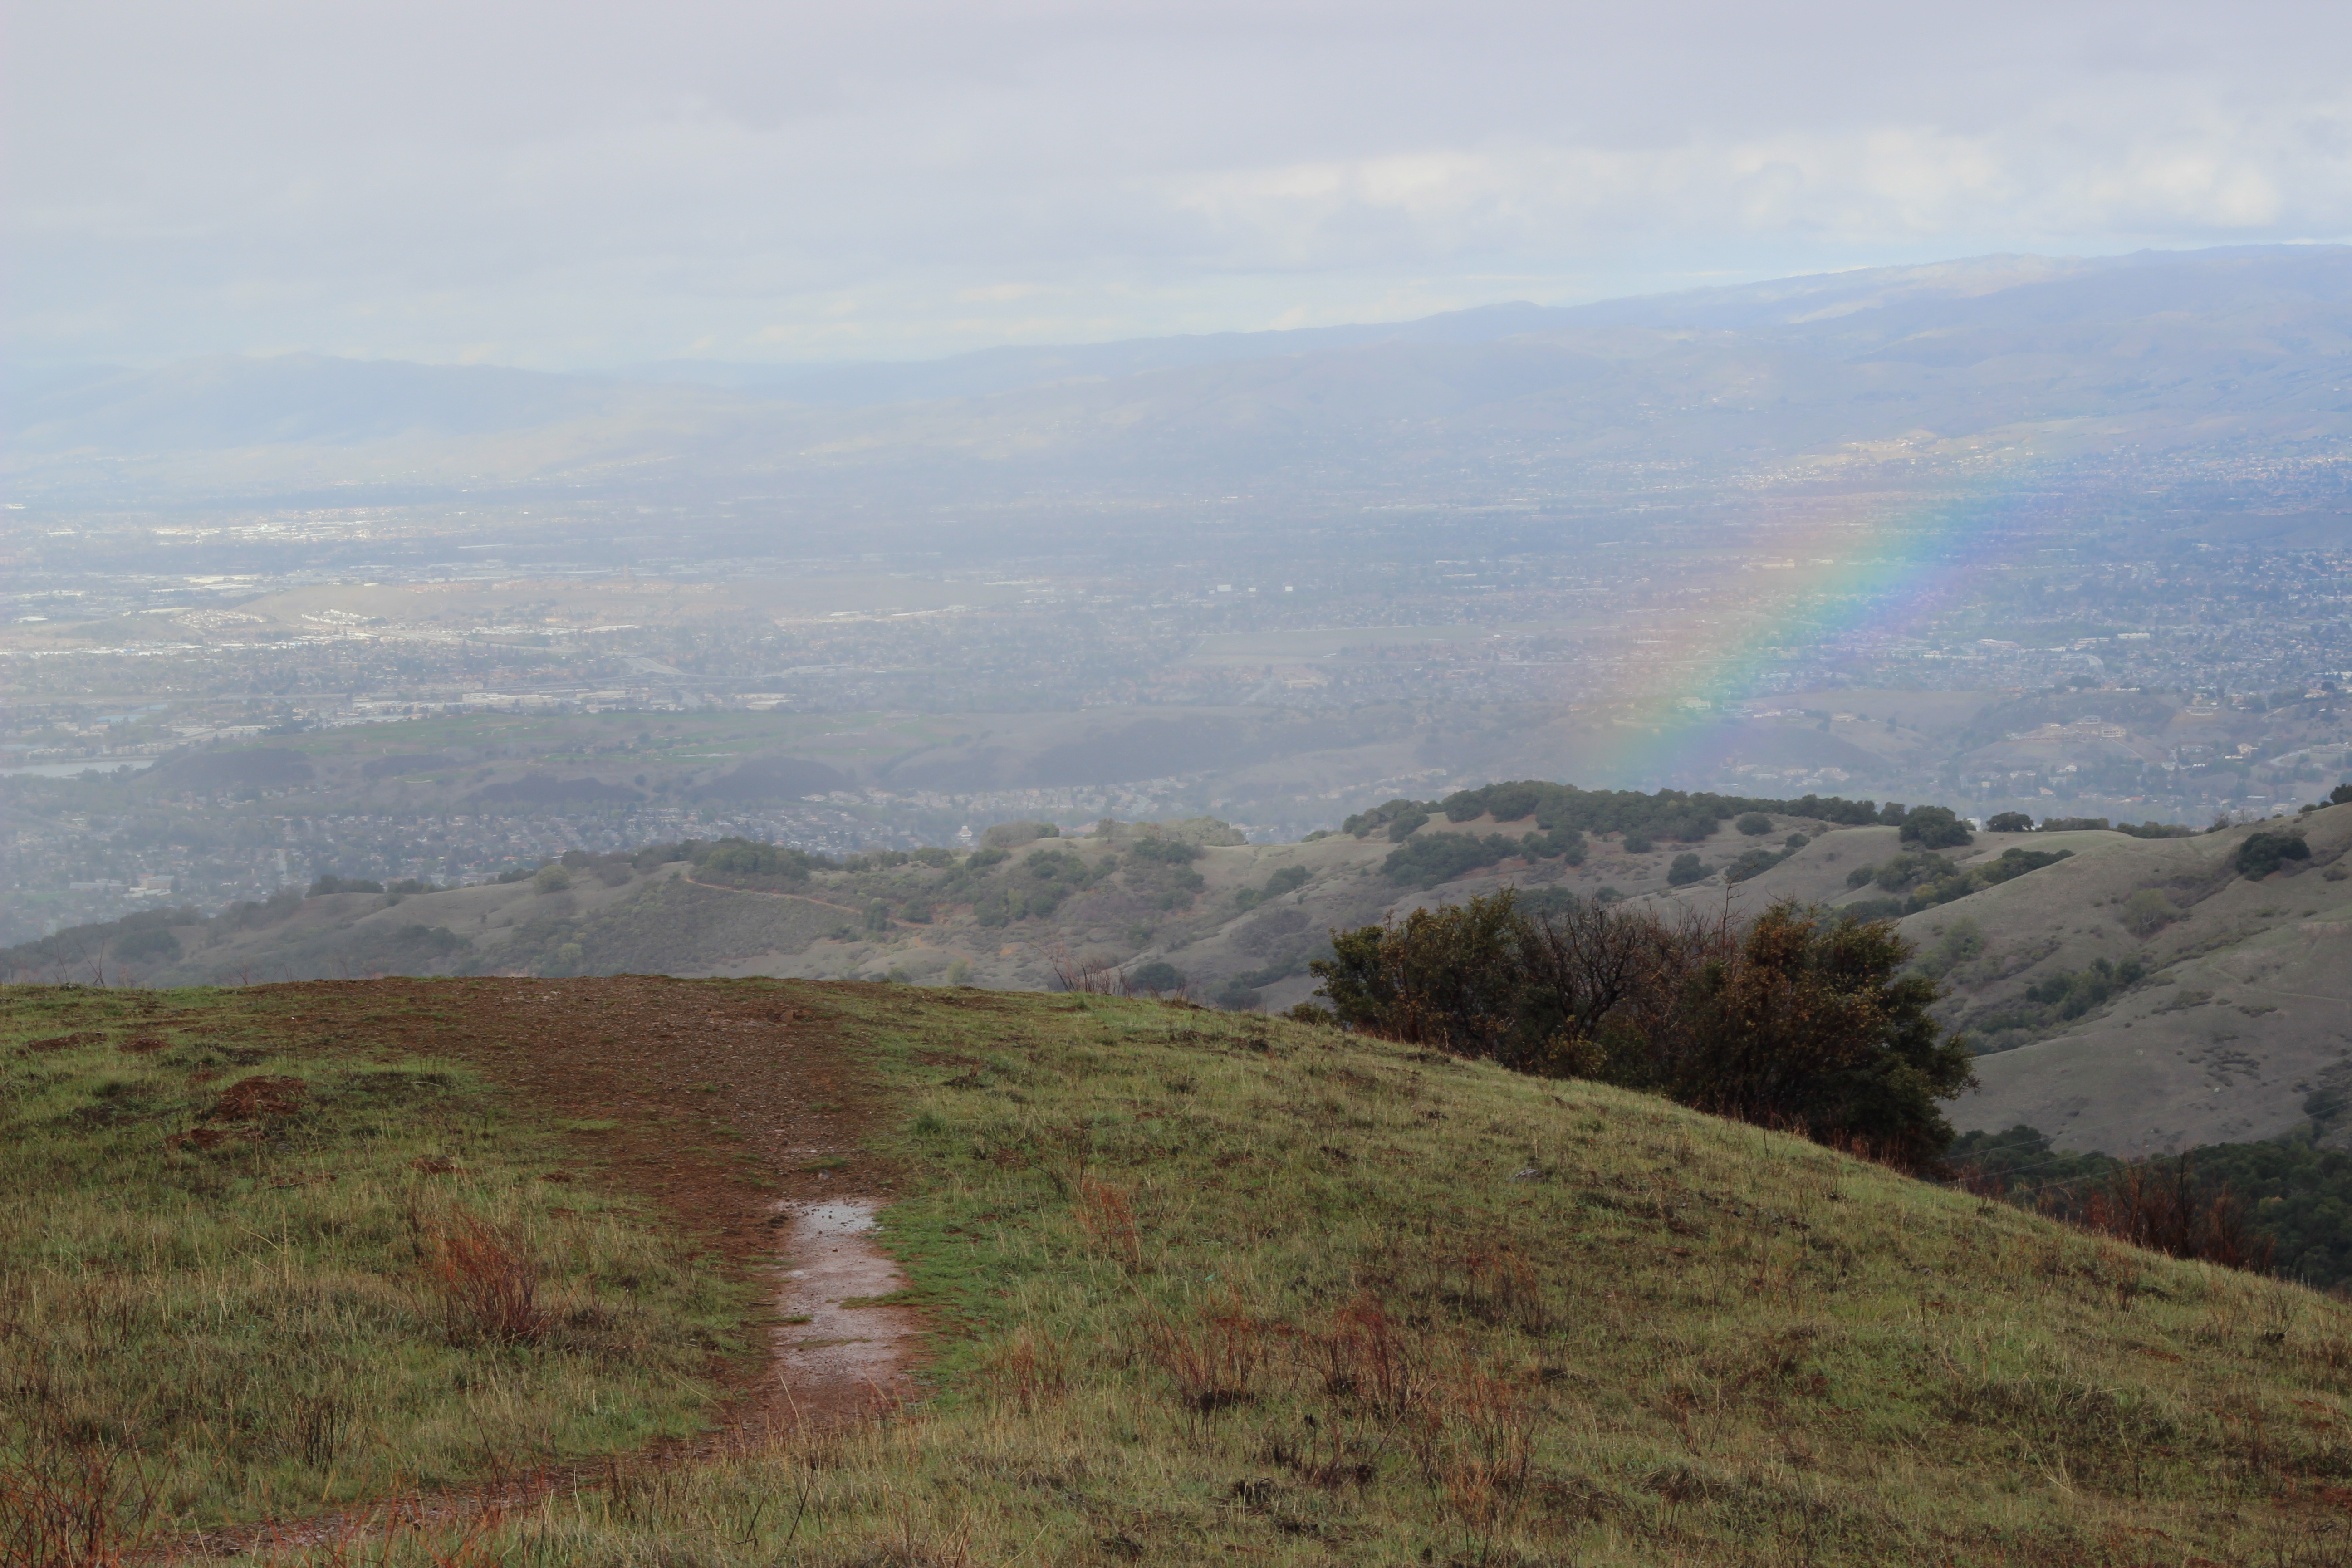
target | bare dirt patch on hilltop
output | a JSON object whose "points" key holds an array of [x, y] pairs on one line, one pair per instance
{"points": [[731, 1104]]}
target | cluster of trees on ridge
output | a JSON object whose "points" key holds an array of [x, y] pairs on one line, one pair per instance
{"points": [[1564, 815]]}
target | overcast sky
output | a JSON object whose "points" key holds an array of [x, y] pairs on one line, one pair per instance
{"points": [[594, 182]]}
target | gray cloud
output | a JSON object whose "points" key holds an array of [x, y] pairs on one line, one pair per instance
{"points": [[578, 184]]}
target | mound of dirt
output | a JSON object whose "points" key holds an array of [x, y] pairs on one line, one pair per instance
{"points": [[260, 1097]]}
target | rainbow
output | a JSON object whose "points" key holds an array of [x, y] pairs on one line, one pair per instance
{"points": [[1858, 572]]}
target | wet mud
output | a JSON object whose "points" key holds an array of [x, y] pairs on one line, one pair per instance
{"points": [[848, 1353]]}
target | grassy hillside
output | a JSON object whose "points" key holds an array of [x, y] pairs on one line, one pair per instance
{"points": [[265, 1257], [2157, 997], [1208, 1284]]}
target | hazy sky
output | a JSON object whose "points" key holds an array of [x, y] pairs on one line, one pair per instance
{"points": [[592, 183]]}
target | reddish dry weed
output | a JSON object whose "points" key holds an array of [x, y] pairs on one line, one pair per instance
{"points": [[488, 1288]]}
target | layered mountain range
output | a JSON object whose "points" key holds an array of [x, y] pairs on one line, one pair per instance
{"points": [[1908, 371]]}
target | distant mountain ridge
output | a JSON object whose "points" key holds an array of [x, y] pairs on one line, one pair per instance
{"points": [[2217, 349]]}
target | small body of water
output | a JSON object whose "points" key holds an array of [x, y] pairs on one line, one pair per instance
{"points": [[69, 770]]}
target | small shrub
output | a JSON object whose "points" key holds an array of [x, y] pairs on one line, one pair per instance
{"points": [[2149, 911], [489, 1289], [1289, 879], [1755, 863], [74, 1507], [1448, 977], [1214, 1364], [2070, 995], [1961, 943], [1754, 823], [1238, 995], [1156, 978], [1106, 1215], [1686, 870], [1404, 827], [1906, 871]]}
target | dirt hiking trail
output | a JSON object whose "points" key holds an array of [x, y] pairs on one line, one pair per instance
{"points": [[730, 1105]]}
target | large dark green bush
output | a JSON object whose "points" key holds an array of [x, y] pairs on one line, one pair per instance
{"points": [[1437, 857], [2264, 853], [1448, 977], [1808, 1022], [1289, 879], [1800, 1020], [1934, 827]]}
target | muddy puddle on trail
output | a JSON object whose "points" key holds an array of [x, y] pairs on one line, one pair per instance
{"points": [[843, 1357]]}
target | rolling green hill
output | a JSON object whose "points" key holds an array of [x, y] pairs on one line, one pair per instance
{"points": [[1205, 1285]]}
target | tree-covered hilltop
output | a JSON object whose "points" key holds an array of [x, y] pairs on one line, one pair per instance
{"points": [[1560, 809]]}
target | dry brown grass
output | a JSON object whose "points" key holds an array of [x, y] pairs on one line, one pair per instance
{"points": [[489, 1286]]}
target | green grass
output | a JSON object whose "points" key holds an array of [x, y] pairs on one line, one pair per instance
{"points": [[1221, 1289], [241, 1302]]}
